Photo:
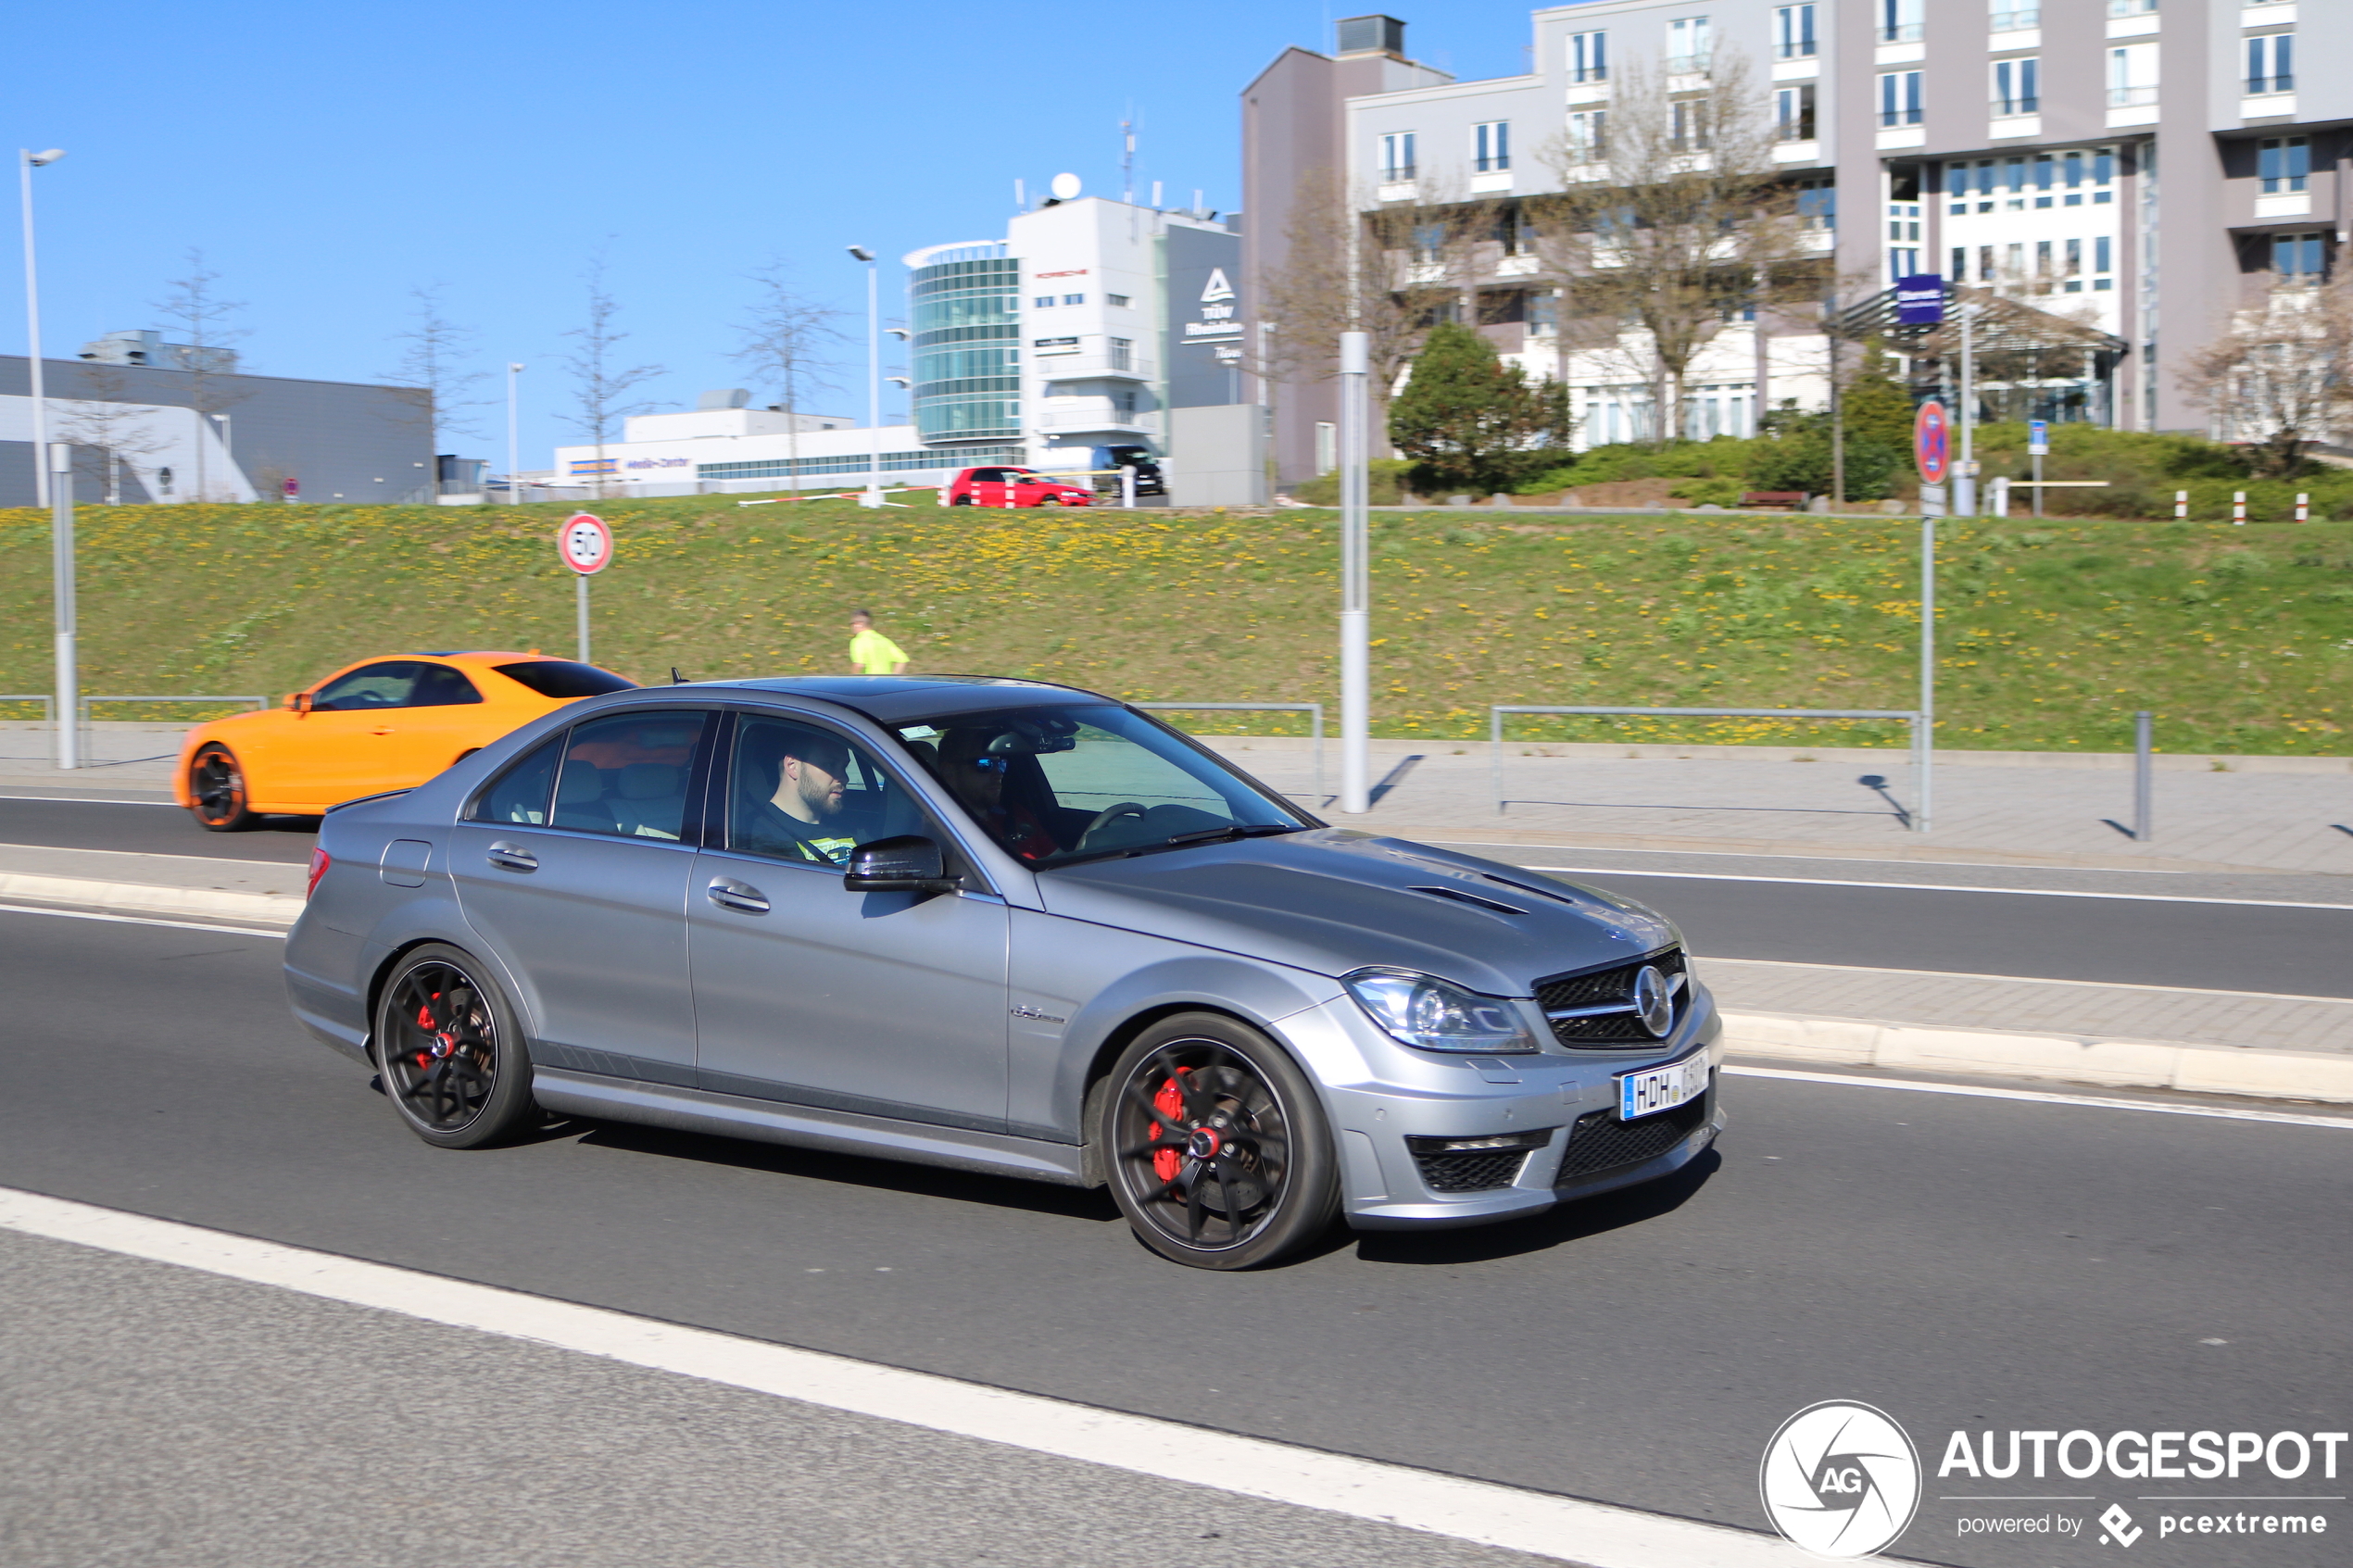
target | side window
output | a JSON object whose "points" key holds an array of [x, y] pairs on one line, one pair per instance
{"points": [[626, 775], [988, 476], [390, 685], [796, 792], [520, 795], [440, 686]]}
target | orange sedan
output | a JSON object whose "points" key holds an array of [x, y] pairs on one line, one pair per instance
{"points": [[386, 723]]}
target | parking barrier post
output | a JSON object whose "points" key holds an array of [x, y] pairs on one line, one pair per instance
{"points": [[2303, 506], [2181, 503], [2142, 724], [2238, 509]]}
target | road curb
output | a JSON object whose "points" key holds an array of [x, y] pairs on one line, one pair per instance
{"points": [[2074, 1059], [143, 898]]}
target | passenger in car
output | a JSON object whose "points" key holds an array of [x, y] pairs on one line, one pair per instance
{"points": [[803, 770]]}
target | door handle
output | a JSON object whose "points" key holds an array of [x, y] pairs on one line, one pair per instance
{"points": [[729, 894], [511, 858], [381, 730]]}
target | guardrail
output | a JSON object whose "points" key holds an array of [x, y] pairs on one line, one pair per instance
{"points": [[90, 700], [1921, 739], [48, 713], [1315, 710]]}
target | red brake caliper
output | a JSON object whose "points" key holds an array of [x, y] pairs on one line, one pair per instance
{"points": [[445, 1041], [1169, 1102]]}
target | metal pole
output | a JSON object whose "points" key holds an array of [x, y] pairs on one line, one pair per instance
{"points": [[1928, 670], [27, 161], [68, 707], [1964, 483], [873, 497], [1356, 585], [581, 605], [1127, 492], [2141, 728], [2038, 484], [1316, 723], [514, 446], [1495, 758]]}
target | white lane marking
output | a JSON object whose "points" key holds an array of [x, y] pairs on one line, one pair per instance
{"points": [[138, 920], [1563, 1528], [90, 800], [2045, 1096], [1944, 887], [2028, 980]]}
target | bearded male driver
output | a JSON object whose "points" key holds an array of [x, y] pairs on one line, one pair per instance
{"points": [[807, 768]]}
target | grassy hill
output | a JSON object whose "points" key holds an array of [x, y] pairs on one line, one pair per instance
{"points": [[2240, 638]]}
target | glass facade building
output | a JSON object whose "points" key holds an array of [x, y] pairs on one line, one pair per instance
{"points": [[967, 326]]}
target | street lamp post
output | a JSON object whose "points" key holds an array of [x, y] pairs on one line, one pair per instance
{"points": [[873, 497], [27, 161], [59, 462], [514, 486], [1355, 577]]}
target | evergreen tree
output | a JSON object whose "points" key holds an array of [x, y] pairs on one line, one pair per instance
{"points": [[1471, 422]]}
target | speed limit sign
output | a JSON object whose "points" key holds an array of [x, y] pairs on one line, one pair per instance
{"points": [[585, 542]]}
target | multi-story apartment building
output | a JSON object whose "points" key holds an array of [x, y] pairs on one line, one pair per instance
{"points": [[2143, 167]]}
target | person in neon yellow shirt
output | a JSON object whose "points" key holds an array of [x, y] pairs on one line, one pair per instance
{"points": [[871, 653]]}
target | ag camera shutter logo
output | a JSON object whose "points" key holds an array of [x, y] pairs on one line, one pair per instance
{"points": [[1840, 1479]]}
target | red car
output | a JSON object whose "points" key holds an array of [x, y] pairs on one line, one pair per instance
{"points": [[1011, 487]]}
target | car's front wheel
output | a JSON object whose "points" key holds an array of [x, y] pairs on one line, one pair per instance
{"points": [[217, 784], [1050, 500], [451, 1055], [1216, 1145], [962, 501]]}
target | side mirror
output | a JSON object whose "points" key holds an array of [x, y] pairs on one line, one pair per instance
{"points": [[906, 864], [298, 701]]}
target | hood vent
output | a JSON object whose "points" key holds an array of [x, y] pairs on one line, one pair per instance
{"points": [[1473, 899]]}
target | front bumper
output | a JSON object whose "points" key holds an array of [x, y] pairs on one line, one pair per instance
{"points": [[1397, 1095]]}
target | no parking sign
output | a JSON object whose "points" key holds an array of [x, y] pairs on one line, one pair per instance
{"points": [[584, 543], [1931, 442]]}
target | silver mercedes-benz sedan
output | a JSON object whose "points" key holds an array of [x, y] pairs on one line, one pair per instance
{"points": [[1003, 926]]}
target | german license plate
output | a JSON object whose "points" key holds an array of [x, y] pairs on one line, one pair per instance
{"points": [[1661, 1089]]}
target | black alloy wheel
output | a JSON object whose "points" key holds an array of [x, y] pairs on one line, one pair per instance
{"points": [[1216, 1145], [451, 1056], [217, 783], [962, 501]]}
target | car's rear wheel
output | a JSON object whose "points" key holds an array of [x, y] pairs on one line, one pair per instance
{"points": [[217, 784], [1216, 1145], [962, 501], [1050, 500], [452, 1058]]}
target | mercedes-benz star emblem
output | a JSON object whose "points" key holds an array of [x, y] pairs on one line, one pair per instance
{"points": [[1654, 1001]]}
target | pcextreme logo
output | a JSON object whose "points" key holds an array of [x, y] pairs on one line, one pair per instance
{"points": [[1840, 1479]]}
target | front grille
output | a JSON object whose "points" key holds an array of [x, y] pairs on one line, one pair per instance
{"points": [[1477, 1171], [1601, 1142], [1605, 988]]}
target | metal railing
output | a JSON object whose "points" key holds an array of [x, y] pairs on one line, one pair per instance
{"points": [[1923, 741], [1314, 712], [48, 713], [88, 700]]}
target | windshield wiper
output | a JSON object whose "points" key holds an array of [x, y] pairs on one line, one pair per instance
{"points": [[1232, 829]]}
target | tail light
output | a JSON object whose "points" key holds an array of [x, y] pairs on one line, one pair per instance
{"points": [[318, 864]]}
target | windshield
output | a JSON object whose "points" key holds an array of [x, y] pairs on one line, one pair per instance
{"points": [[1055, 785]]}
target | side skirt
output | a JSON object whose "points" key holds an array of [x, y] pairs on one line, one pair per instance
{"points": [[842, 1132]]}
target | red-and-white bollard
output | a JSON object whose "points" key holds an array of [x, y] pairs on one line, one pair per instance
{"points": [[2181, 503], [2303, 506], [2238, 509]]}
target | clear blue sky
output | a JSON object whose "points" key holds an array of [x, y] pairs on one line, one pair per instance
{"points": [[329, 158]]}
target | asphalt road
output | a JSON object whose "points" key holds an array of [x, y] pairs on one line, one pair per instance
{"points": [[2212, 945], [1961, 1263]]}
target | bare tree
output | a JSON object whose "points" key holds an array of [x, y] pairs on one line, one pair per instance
{"points": [[601, 388], [208, 323], [788, 338], [1389, 269], [1672, 223], [2280, 376], [106, 423], [433, 353]]}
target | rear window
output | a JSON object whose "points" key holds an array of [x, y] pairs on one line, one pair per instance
{"points": [[564, 679]]}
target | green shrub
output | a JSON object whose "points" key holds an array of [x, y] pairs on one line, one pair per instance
{"points": [[1710, 491], [1804, 462], [1386, 484]]}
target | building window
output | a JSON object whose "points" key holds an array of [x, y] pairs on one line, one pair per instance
{"points": [[1429, 244], [2045, 172], [1816, 204], [2131, 7], [2073, 272], [1120, 300], [2131, 75], [1794, 32], [2102, 258], [1900, 20], [1793, 113], [1589, 57], [2298, 259], [1959, 268], [2018, 87], [1543, 314], [1396, 157], [2285, 163], [1687, 46], [1123, 353], [1687, 125], [2270, 63], [1491, 145], [2016, 16], [1589, 136], [1074, 299], [1899, 98], [1044, 302]]}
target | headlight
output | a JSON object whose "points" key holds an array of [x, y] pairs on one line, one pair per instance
{"points": [[1432, 1015]]}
